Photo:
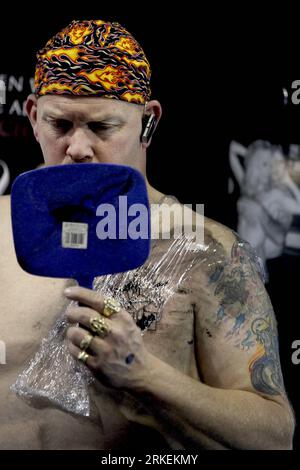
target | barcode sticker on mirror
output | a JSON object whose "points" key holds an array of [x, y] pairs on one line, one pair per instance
{"points": [[74, 235]]}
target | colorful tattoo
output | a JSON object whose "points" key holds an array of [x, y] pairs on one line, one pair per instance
{"points": [[245, 307]]}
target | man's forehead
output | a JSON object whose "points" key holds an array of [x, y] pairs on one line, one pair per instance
{"points": [[84, 106]]}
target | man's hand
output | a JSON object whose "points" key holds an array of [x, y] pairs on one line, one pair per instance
{"points": [[120, 359]]}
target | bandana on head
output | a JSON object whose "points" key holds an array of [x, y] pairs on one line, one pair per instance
{"points": [[94, 58]]}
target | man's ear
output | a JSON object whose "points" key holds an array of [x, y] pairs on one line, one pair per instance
{"points": [[31, 110], [153, 107]]}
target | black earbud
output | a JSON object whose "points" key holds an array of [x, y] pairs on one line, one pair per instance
{"points": [[148, 128]]}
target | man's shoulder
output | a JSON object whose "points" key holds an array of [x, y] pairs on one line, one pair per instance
{"points": [[228, 251], [212, 233], [215, 234], [219, 234]]}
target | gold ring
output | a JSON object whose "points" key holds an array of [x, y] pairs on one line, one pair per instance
{"points": [[111, 306], [85, 342], [99, 326], [83, 356]]}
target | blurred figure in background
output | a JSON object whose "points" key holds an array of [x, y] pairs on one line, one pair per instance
{"points": [[269, 197]]}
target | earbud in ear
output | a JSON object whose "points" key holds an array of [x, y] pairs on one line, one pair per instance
{"points": [[149, 125]]}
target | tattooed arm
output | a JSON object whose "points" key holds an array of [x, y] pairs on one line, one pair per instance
{"points": [[240, 402]]}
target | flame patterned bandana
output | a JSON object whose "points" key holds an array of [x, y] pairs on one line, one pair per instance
{"points": [[94, 58]]}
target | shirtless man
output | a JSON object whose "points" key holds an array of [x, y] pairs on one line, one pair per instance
{"points": [[209, 375]]}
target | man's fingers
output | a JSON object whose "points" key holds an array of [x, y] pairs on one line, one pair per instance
{"points": [[84, 315], [86, 296], [86, 358]]}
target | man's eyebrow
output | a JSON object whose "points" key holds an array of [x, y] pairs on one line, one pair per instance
{"points": [[54, 114]]}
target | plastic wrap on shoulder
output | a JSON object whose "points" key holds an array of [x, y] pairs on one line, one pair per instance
{"points": [[242, 249]]}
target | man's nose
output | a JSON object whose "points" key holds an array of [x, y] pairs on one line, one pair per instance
{"points": [[80, 148]]}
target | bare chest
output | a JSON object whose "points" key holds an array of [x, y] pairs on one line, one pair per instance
{"points": [[172, 340], [28, 307]]}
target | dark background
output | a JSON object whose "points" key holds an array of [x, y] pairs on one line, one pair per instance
{"points": [[219, 76]]}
